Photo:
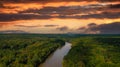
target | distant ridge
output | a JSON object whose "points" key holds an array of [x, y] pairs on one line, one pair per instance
{"points": [[13, 32]]}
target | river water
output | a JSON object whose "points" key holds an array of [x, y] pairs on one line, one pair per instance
{"points": [[56, 59]]}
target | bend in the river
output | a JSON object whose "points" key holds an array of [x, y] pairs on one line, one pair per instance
{"points": [[56, 59]]}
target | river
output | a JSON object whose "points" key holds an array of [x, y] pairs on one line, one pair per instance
{"points": [[56, 58]]}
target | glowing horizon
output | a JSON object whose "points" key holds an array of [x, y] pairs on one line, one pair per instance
{"points": [[59, 17]]}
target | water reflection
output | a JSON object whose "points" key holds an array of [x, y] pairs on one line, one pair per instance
{"points": [[55, 60]]}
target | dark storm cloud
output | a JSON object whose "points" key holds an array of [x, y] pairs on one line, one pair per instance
{"points": [[108, 15], [67, 10], [115, 6], [12, 31], [46, 1], [111, 28], [70, 11], [53, 10], [1, 5], [14, 17], [64, 12]]}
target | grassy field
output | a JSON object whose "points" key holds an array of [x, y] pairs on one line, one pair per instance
{"points": [[103, 51], [27, 50]]}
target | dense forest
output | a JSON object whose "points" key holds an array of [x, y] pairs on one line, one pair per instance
{"points": [[24, 51], [30, 50], [94, 52]]}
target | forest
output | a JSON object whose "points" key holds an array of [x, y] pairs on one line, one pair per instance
{"points": [[30, 50], [24, 51], [102, 51]]}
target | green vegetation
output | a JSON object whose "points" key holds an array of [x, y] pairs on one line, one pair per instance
{"points": [[30, 50], [26, 51], [94, 52]]}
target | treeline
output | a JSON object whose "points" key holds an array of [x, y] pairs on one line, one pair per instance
{"points": [[94, 52], [26, 51]]}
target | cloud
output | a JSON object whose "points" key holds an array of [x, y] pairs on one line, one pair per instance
{"points": [[64, 28], [91, 24], [46, 1], [12, 31], [6, 7], [111, 28], [69, 10], [81, 28], [97, 11], [1, 5], [33, 26], [51, 25], [114, 6], [28, 26], [14, 17], [103, 15]]}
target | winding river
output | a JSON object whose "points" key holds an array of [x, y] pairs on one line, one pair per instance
{"points": [[56, 59]]}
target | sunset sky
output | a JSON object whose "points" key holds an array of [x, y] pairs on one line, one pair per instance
{"points": [[60, 16]]}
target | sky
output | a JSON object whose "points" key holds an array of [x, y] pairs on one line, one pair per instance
{"points": [[60, 16]]}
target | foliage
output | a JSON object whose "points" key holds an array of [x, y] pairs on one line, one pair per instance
{"points": [[20, 51], [94, 52]]}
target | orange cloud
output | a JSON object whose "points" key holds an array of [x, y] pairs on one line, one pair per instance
{"points": [[28, 16], [16, 7]]}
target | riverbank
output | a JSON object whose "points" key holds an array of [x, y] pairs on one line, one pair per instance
{"points": [[94, 52], [56, 59], [19, 51]]}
